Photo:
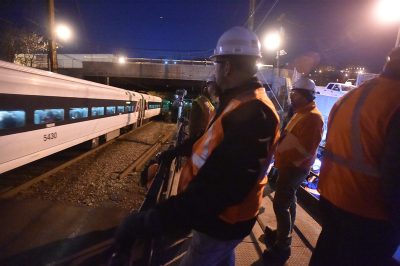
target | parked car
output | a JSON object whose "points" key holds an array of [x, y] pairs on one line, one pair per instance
{"points": [[335, 89], [350, 82]]}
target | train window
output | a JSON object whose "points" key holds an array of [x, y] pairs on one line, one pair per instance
{"points": [[120, 109], [78, 113], [128, 109], [45, 116], [12, 118], [154, 105], [97, 111], [110, 110], [134, 105]]}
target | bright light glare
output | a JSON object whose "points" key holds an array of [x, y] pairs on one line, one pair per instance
{"points": [[122, 59], [317, 164], [388, 10], [63, 32], [272, 41], [259, 65]]}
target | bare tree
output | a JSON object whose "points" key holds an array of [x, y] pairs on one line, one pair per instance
{"points": [[21, 46], [9, 43]]}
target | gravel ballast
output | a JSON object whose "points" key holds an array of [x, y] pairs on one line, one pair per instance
{"points": [[95, 181]]}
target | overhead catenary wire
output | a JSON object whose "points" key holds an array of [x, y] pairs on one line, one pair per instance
{"points": [[255, 10], [266, 15]]}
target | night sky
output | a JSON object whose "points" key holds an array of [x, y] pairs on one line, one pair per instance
{"points": [[342, 32]]}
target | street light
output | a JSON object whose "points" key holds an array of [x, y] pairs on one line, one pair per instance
{"points": [[388, 11], [63, 32], [122, 59], [272, 42]]}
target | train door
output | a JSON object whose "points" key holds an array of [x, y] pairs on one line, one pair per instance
{"points": [[141, 111], [128, 108]]}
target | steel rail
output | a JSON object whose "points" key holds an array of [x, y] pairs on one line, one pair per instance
{"points": [[15, 190]]}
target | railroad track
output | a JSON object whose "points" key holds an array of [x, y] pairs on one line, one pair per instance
{"points": [[134, 166]]}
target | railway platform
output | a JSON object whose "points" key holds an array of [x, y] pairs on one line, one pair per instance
{"points": [[38, 232], [250, 250]]}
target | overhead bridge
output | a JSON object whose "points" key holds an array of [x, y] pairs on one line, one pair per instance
{"points": [[144, 73], [151, 73], [158, 74], [152, 69]]}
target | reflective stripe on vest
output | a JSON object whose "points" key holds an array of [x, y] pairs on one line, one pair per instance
{"points": [[210, 140], [350, 177], [295, 147], [198, 160], [357, 164]]}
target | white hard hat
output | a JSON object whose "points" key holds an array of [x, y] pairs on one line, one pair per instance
{"points": [[238, 41], [304, 84]]}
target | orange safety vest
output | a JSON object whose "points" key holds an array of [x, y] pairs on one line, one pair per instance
{"points": [[302, 135], [350, 177], [207, 143]]}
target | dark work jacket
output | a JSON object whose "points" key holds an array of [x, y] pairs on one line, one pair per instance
{"points": [[229, 173]]}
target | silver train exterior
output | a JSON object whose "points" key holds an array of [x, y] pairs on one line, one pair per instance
{"points": [[42, 113]]}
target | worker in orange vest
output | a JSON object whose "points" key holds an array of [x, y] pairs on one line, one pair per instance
{"points": [[295, 153], [226, 167], [360, 174]]}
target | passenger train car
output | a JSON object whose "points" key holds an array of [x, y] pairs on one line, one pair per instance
{"points": [[42, 113]]}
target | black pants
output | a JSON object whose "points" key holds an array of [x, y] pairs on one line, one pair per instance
{"points": [[289, 180], [348, 239]]}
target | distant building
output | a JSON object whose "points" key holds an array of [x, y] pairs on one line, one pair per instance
{"points": [[64, 60]]}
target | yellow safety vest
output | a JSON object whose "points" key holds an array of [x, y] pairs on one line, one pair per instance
{"points": [[214, 135]]}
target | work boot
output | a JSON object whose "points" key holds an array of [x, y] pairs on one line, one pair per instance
{"points": [[269, 236], [276, 256]]}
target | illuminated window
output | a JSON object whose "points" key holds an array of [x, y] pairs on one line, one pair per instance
{"points": [[120, 109], [134, 105], [78, 113], [97, 111], [46, 116], [12, 118], [110, 110], [154, 105]]}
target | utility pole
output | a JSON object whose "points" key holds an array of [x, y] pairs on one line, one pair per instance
{"points": [[53, 67], [277, 62], [278, 53], [252, 6]]}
